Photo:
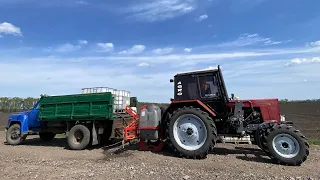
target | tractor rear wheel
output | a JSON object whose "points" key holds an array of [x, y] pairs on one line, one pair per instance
{"points": [[192, 132], [287, 145]]}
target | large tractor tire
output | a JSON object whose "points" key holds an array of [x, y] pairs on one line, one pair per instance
{"points": [[287, 145], [46, 136], [192, 132], [79, 137], [260, 136], [13, 135]]}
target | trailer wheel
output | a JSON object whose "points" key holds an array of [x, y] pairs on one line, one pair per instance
{"points": [[287, 145], [13, 135], [192, 132], [79, 137], [46, 136]]}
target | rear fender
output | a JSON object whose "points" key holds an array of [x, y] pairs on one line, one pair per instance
{"points": [[22, 120], [179, 104]]}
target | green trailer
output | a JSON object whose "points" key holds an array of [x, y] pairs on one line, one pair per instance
{"points": [[95, 106], [88, 119]]}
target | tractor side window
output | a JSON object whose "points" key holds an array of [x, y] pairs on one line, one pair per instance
{"points": [[208, 87], [192, 90], [186, 88]]}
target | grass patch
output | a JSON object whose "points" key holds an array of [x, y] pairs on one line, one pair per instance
{"points": [[61, 135], [314, 142]]}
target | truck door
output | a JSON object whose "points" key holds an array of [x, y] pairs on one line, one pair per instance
{"points": [[33, 121]]}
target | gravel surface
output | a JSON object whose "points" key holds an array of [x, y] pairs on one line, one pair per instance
{"points": [[38, 160]]}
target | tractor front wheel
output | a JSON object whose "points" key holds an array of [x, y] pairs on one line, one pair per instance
{"points": [[287, 145], [192, 132]]}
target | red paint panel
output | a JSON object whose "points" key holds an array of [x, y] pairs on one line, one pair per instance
{"points": [[270, 108]]}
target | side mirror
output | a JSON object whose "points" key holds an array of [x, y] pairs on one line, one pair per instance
{"points": [[171, 80]]}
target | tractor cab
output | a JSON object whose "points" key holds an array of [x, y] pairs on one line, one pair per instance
{"points": [[205, 85]]}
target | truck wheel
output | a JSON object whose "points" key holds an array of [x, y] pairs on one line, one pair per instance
{"points": [[287, 145], [13, 135], [192, 132], [79, 137], [46, 136]]}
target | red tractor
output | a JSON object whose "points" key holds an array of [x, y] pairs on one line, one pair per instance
{"points": [[201, 111]]}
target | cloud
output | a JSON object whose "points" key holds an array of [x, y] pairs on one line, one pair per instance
{"points": [[136, 49], [162, 51], [158, 10], [8, 28], [82, 2], [144, 64], [298, 61], [70, 78], [105, 47], [83, 42], [187, 49], [315, 43], [202, 17], [196, 58], [249, 39], [67, 47], [248, 70]]}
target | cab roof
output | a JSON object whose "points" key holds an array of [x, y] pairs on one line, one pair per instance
{"points": [[210, 69]]}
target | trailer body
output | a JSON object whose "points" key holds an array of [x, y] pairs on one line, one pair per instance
{"points": [[88, 113], [94, 106]]}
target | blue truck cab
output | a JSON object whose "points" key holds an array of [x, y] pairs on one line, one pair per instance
{"points": [[21, 124]]}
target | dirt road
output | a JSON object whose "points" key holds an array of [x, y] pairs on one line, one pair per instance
{"points": [[38, 160]]}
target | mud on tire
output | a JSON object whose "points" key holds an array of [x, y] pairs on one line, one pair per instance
{"points": [[284, 139], [192, 132]]}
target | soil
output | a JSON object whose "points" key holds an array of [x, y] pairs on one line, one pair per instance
{"points": [[52, 160]]}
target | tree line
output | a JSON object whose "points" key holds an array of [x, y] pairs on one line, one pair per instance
{"points": [[17, 104]]}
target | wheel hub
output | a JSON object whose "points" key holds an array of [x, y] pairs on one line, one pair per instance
{"points": [[189, 132], [78, 136], [15, 133], [285, 145]]}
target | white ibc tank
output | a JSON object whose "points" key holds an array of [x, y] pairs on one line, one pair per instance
{"points": [[121, 97]]}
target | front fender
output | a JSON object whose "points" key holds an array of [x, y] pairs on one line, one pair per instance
{"points": [[19, 119]]}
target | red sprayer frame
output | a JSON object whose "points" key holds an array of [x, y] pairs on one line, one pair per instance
{"points": [[132, 131]]}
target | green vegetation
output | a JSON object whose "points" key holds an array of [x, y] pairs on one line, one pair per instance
{"points": [[285, 101], [9, 105], [314, 142]]}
